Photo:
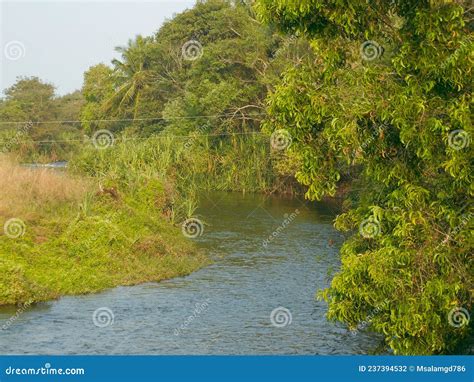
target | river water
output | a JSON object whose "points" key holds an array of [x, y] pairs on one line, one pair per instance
{"points": [[225, 308]]}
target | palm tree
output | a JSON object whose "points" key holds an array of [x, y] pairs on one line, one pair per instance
{"points": [[132, 75]]}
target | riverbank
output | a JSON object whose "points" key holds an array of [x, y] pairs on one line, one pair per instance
{"points": [[224, 308], [64, 235], [113, 218]]}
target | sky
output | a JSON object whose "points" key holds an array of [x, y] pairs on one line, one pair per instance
{"points": [[58, 41]]}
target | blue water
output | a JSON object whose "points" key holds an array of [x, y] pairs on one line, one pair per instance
{"points": [[224, 308]]}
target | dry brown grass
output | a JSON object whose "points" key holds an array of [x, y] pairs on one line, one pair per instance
{"points": [[24, 191]]}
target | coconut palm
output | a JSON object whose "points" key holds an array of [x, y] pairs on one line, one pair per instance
{"points": [[132, 75]]}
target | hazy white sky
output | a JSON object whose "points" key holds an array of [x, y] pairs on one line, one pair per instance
{"points": [[58, 40]]}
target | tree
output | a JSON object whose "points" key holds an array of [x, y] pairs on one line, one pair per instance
{"points": [[132, 75], [212, 60], [226, 79], [69, 106], [32, 100], [98, 87], [33, 97], [388, 97]]}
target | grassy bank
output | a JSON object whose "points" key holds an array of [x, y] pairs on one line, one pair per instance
{"points": [[114, 218], [73, 235]]}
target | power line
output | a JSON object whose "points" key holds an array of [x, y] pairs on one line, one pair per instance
{"points": [[126, 119]]}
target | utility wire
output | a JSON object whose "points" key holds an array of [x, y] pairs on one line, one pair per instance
{"points": [[127, 119]]}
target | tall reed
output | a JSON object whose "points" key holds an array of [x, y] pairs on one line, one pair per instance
{"points": [[185, 166]]}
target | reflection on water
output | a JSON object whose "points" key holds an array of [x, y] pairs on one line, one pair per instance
{"points": [[55, 165], [222, 309]]}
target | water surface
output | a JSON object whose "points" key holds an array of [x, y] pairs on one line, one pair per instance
{"points": [[224, 308]]}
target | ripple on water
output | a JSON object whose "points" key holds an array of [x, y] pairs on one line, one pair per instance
{"points": [[224, 308]]}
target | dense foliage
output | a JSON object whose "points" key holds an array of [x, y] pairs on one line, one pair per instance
{"points": [[387, 99], [205, 66], [371, 92], [29, 114], [203, 79]]}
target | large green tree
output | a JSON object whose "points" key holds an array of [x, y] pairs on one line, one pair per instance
{"points": [[29, 99], [31, 118], [212, 60], [387, 99], [220, 55], [132, 75], [98, 88]]}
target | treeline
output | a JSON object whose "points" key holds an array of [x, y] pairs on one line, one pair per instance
{"points": [[204, 75], [211, 65], [28, 120]]}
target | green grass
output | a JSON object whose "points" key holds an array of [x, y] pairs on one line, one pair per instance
{"points": [[225, 163], [101, 243]]}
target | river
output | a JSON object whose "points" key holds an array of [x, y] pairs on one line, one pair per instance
{"points": [[225, 308]]}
